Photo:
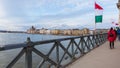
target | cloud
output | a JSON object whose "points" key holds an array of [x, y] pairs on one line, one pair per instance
{"points": [[20, 14], [10, 24], [2, 11]]}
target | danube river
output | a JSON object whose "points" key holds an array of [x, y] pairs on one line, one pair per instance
{"points": [[10, 38]]}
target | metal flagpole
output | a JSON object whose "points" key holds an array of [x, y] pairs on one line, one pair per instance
{"points": [[95, 13], [95, 27]]}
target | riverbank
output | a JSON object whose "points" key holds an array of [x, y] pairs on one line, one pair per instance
{"points": [[3, 31]]}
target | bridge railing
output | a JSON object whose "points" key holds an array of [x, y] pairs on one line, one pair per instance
{"points": [[64, 51]]}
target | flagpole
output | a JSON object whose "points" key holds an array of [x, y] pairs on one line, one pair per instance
{"points": [[95, 21], [98, 17], [95, 27]]}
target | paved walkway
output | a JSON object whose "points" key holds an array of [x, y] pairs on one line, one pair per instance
{"points": [[101, 57]]}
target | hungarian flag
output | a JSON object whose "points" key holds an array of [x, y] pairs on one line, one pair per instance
{"points": [[98, 14]]}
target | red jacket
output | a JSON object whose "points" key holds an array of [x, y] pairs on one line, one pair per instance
{"points": [[113, 38]]}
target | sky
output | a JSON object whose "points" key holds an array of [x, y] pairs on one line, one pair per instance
{"points": [[20, 15]]}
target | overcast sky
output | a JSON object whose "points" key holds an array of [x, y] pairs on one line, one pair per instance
{"points": [[22, 14]]}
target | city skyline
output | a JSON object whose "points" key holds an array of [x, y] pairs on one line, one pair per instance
{"points": [[22, 14]]}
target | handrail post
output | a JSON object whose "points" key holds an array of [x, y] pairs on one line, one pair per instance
{"points": [[28, 56], [57, 54], [82, 45], [72, 48]]}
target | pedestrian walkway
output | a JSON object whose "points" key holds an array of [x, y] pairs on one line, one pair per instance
{"points": [[101, 57]]}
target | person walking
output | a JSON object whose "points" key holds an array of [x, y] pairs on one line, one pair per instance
{"points": [[118, 33], [111, 37]]}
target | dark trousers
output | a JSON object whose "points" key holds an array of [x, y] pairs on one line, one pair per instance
{"points": [[119, 37], [111, 45]]}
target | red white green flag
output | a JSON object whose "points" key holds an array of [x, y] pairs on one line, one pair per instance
{"points": [[98, 14]]}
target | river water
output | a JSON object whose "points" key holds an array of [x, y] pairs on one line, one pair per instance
{"points": [[10, 38]]}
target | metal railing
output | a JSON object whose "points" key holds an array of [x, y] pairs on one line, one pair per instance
{"points": [[68, 49]]}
